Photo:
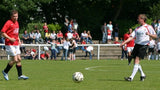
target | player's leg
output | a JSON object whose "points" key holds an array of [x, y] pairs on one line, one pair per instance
{"points": [[19, 68], [135, 69]]}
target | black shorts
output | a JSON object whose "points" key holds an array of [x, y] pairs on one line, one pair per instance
{"points": [[139, 51], [70, 50], [151, 50], [159, 51], [74, 50]]}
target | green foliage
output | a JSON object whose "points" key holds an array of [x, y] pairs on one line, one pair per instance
{"points": [[54, 27], [155, 11], [124, 25]]}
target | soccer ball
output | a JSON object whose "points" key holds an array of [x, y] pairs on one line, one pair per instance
{"points": [[77, 77]]}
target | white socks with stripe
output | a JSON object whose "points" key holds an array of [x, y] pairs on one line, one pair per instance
{"points": [[135, 69]]}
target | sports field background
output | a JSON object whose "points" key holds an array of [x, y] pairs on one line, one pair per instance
{"points": [[98, 75]]}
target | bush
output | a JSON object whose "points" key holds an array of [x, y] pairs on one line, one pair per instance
{"points": [[54, 27]]}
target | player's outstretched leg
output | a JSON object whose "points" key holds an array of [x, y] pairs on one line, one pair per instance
{"points": [[129, 60]]}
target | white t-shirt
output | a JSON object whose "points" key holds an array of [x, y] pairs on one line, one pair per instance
{"points": [[89, 48], [66, 44], [84, 34], [110, 27], [53, 35], [69, 35], [37, 35], [151, 43], [140, 34]]}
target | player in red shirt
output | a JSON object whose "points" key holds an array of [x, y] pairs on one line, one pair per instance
{"points": [[130, 45], [11, 33]]}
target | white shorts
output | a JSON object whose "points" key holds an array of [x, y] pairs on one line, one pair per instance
{"points": [[13, 50], [109, 37], [130, 49]]}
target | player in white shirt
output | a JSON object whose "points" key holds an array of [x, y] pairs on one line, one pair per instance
{"points": [[151, 49], [141, 35]]}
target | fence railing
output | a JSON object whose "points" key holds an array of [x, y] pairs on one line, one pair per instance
{"points": [[42, 45]]}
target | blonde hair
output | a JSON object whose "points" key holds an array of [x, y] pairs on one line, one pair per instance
{"points": [[143, 16]]}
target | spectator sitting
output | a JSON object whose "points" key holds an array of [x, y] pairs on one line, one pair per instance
{"points": [[53, 36], [47, 36], [25, 37], [38, 38], [84, 36], [60, 36], [83, 47], [22, 48], [28, 55], [2, 41], [34, 55], [31, 36], [69, 35], [44, 54], [76, 36], [89, 50], [89, 37]]}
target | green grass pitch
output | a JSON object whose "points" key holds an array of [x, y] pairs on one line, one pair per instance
{"points": [[98, 75]]}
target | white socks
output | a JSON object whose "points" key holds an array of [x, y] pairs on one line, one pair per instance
{"points": [[135, 69], [149, 56], [141, 71]]}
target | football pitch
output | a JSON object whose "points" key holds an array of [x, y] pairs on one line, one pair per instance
{"points": [[98, 75]]}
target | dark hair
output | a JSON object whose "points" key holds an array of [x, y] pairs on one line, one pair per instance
{"points": [[13, 12]]}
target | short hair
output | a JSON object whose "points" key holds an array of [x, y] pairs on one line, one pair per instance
{"points": [[143, 16], [13, 12]]}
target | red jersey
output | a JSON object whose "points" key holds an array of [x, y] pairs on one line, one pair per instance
{"points": [[12, 30], [109, 32], [130, 43], [60, 35]]}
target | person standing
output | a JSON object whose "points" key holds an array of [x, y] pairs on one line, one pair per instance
{"points": [[12, 42], [104, 33], [142, 35], [110, 27]]}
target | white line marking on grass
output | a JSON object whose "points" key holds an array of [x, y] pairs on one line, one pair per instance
{"points": [[94, 68]]}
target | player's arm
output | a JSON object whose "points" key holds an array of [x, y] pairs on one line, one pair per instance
{"points": [[129, 39], [6, 36], [152, 35]]}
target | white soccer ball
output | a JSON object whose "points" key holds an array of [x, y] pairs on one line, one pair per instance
{"points": [[46, 48], [77, 77]]}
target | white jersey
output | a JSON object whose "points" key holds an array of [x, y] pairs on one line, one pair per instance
{"points": [[152, 43], [158, 45], [140, 34], [89, 48]]}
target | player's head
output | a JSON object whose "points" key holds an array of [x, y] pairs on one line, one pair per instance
{"points": [[130, 30], [14, 15], [142, 18]]}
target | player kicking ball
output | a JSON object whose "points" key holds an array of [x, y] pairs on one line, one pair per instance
{"points": [[12, 41], [142, 36]]}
